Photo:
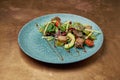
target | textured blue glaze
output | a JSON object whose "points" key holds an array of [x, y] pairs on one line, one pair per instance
{"points": [[31, 42]]}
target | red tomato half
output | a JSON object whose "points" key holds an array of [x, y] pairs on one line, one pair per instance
{"points": [[89, 42]]}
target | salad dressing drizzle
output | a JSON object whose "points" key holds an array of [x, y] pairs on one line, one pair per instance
{"points": [[56, 52]]}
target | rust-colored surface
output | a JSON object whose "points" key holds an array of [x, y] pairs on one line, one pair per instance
{"points": [[15, 65]]}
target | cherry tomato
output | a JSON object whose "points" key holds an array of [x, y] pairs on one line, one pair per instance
{"points": [[89, 42], [57, 24]]}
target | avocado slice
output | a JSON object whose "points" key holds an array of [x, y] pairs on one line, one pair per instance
{"points": [[59, 43], [71, 43]]}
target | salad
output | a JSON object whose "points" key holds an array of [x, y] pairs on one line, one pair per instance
{"points": [[68, 34]]}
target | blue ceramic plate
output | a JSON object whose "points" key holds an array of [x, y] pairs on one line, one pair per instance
{"points": [[31, 42]]}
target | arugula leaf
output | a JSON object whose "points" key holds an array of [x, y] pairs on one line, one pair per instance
{"points": [[63, 27], [93, 37], [41, 29], [51, 28], [78, 26], [86, 32]]}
